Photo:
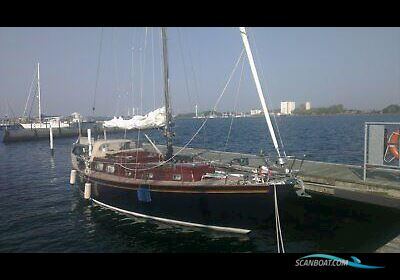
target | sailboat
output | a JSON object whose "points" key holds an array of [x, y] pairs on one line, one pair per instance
{"points": [[153, 182], [41, 123]]}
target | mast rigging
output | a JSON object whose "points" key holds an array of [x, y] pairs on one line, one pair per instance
{"points": [[168, 124], [259, 90], [38, 88]]}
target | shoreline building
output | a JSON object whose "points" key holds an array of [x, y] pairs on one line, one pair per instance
{"points": [[254, 112], [76, 117], [287, 107], [308, 106]]}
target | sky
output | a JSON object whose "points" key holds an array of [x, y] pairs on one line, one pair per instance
{"points": [[356, 67]]}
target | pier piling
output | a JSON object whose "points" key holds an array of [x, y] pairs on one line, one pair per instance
{"points": [[51, 141]]}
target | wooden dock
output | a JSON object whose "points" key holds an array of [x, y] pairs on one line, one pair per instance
{"points": [[392, 247], [381, 187], [23, 135]]}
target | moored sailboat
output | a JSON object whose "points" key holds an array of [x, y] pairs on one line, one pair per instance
{"points": [[153, 182], [40, 122]]}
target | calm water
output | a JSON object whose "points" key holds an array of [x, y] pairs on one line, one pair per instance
{"points": [[41, 212]]}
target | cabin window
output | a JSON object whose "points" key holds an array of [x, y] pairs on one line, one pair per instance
{"points": [[177, 177], [126, 146], [110, 168], [99, 166]]}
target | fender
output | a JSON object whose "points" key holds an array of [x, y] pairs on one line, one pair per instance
{"points": [[393, 144]]}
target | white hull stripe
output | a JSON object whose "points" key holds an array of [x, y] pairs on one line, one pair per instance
{"points": [[181, 223]]}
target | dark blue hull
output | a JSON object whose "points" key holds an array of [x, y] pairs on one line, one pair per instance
{"points": [[234, 210]]}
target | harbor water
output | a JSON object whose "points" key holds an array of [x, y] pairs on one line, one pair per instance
{"points": [[41, 212]]}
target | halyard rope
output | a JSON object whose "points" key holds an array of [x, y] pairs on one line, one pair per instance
{"points": [[206, 119]]}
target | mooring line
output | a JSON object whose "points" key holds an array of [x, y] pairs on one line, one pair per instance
{"points": [[279, 238]]}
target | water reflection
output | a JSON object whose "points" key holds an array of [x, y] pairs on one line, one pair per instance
{"points": [[39, 218]]}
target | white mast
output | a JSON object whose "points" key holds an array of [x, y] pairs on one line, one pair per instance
{"points": [[259, 89], [38, 86], [133, 76]]}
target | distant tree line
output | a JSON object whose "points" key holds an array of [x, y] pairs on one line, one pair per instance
{"points": [[334, 109], [339, 109], [331, 110], [200, 114], [392, 109]]}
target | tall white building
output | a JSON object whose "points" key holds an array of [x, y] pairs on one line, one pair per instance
{"points": [[308, 106], [287, 107]]}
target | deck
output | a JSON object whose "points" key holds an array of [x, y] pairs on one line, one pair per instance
{"points": [[382, 187]]}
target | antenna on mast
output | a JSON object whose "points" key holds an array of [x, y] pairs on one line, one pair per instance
{"points": [[260, 92]]}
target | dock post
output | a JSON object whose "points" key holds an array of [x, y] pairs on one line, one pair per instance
{"points": [[51, 141], [365, 152]]}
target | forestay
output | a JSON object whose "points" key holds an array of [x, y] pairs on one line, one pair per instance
{"points": [[154, 119]]}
